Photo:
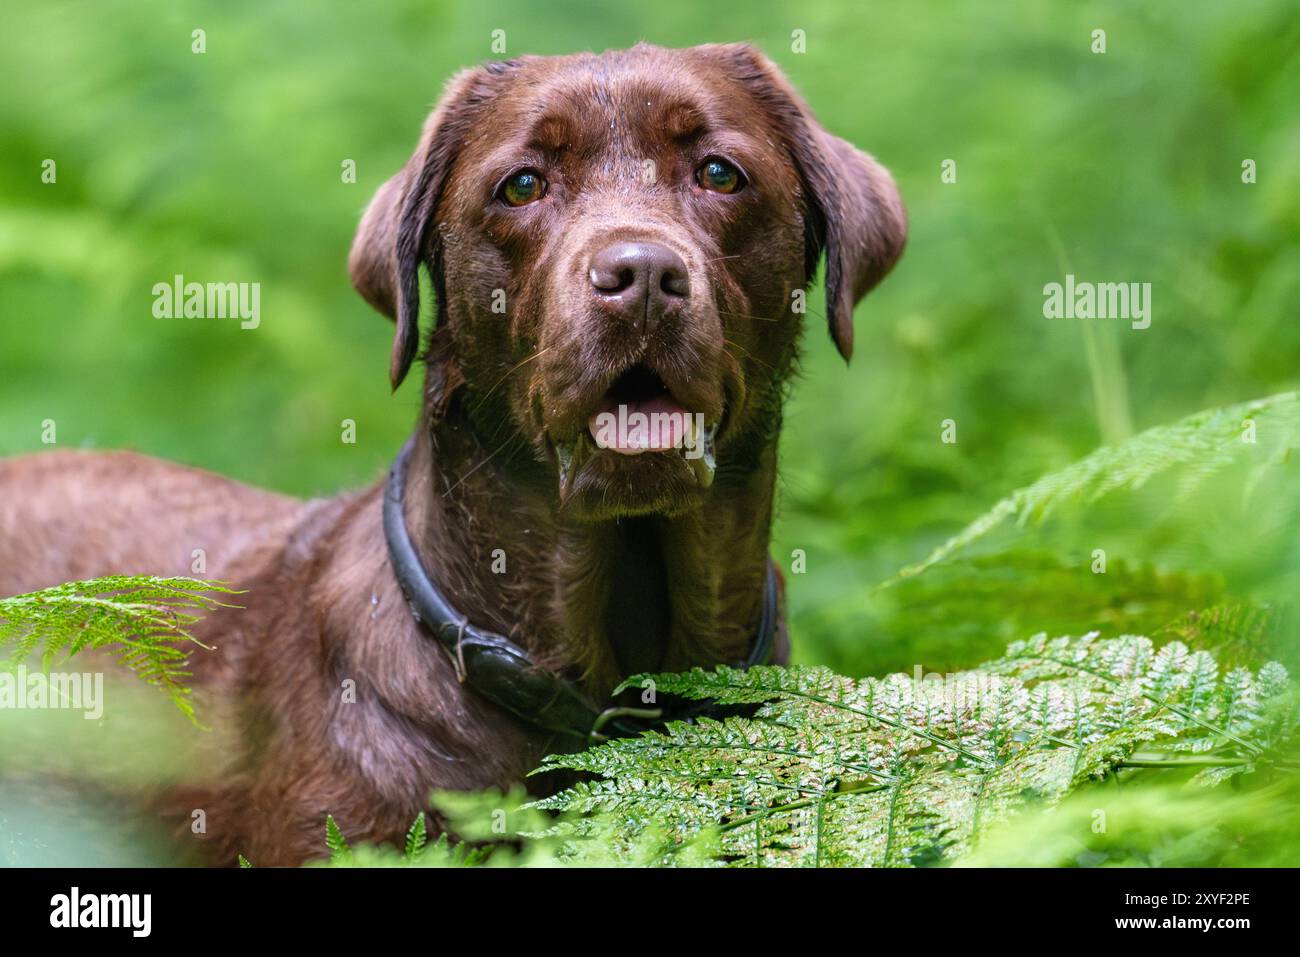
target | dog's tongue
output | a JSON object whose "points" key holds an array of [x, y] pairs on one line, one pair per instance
{"points": [[661, 425]]}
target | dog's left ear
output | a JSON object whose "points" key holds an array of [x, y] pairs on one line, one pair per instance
{"points": [[398, 228], [854, 212]]}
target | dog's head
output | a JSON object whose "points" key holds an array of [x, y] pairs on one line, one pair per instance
{"points": [[622, 233]]}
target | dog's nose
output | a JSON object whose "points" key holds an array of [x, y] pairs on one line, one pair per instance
{"points": [[640, 280]]}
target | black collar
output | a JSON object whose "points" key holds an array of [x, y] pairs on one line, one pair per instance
{"points": [[500, 670]]}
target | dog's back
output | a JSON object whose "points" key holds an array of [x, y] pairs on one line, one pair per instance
{"points": [[67, 516]]}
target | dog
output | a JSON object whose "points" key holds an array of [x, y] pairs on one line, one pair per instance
{"points": [[630, 231]]}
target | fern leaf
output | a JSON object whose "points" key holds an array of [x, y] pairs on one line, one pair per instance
{"points": [[417, 851], [1203, 443], [142, 622], [416, 837], [896, 771], [334, 840]]}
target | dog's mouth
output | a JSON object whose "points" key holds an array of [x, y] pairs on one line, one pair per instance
{"points": [[638, 400], [638, 416]]}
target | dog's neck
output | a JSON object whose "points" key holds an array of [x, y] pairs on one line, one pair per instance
{"points": [[595, 600]]}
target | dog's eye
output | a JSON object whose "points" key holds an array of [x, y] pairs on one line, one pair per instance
{"points": [[719, 176], [523, 188]]}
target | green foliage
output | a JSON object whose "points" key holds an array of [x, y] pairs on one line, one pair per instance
{"points": [[1063, 751], [1238, 632], [509, 830], [969, 609], [1154, 819], [340, 853], [1202, 443], [898, 771], [416, 852], [416, 838], [139, 621]]}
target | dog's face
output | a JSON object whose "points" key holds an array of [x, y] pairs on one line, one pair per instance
{"points": [[619, 245]]}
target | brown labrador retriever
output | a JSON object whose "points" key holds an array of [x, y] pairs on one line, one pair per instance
{"points": [[624, 232]]}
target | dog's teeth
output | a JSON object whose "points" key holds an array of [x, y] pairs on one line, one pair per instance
{"points": [[703, 469], [705, 464], [689, 433]]}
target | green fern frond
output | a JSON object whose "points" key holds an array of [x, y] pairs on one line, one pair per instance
{"points": [[1236, 631], [897, 771], [447, 853], [142, 622], [416, 837], [243, 863], [416, 850], [334, 840], [970, 608], [1158, 823], [1203, 443]]}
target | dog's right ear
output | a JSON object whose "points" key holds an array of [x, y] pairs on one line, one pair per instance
{"points": [[397, 230]]}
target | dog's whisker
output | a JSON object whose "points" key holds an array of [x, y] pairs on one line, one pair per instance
{"points": [[751, 355], [486, 459], [519, 365], [745, 315]]}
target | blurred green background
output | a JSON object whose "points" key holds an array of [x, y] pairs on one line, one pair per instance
{"points": [[1122, 166]]}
